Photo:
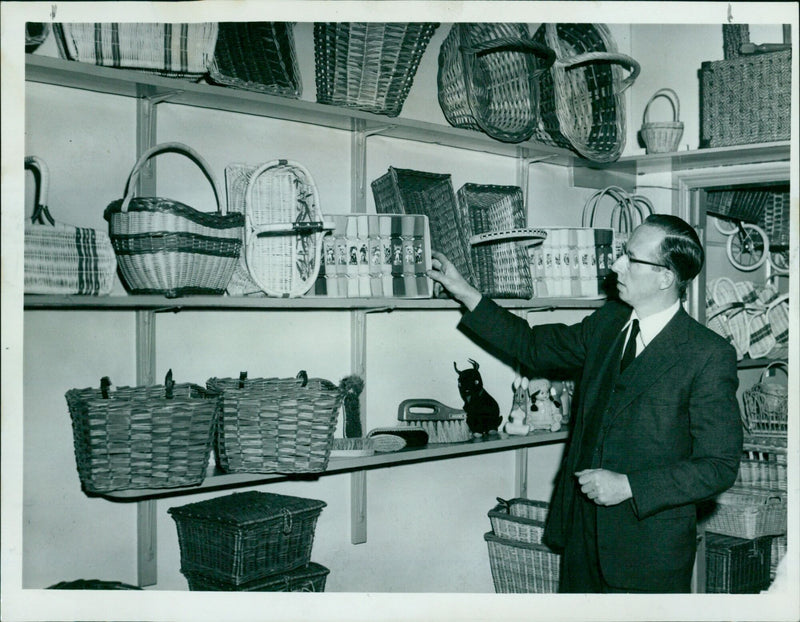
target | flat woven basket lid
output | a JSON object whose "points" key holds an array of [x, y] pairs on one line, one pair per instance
{"points": [[243, 508]]}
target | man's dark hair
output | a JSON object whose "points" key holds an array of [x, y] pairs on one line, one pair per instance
{"points": [[681, 250]]}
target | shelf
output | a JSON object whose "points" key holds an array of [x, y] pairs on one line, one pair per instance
{"points": [[233, 303], [436, 451], [755, 363]]}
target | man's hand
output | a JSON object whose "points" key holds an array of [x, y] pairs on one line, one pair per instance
{"points": [[604, 487], [444, 272]]}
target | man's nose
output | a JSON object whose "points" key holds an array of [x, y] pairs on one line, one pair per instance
{"points": [[618, 264]]}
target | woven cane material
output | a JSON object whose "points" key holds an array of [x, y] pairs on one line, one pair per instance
{"points": [[662, 136], [748, 513], [310, 578], [737, 565], [581, 98], [368, 66], [766, 405], [522, 567], [519, 519]]}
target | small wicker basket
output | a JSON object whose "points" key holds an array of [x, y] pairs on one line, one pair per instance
{"points": [[766, 405], [663, 136], [60, 258], [166, 247], [142, 437], [748, 513]]}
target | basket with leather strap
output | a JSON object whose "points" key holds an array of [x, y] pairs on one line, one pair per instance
{"points": [[368, 66], [142, 437], [766, 405], [177, 50], [166, 247], [60, 258], [487, 79], [662, 136], [582, 106], [257, 56], [276, 425], [284, 228]]}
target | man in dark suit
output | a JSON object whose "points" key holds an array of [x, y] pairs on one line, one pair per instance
{"points": [[656, 421]]}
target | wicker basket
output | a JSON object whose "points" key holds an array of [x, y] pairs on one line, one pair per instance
{"points": [[276, 425], [244, 537], [775, 219], [284, 228], [500, 268], [404, 191], [627, 212], [737, 565], [745, 204], [60, 258], [519, 519], [257, 56], [487, 79], [766, 406], [663, 136], [368, 66], [746, 99], [748, 513], [166, 247], [522, 567], [581, 98], [178, 50], [763, 467], [142, 437], [310, 578]]}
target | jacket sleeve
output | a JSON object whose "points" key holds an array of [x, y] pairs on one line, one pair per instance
{"points": [[716, 442], [545, 348]]}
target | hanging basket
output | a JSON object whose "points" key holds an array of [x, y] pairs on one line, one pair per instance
{"points": [[581, 100], [487, 79], [663, 136]]}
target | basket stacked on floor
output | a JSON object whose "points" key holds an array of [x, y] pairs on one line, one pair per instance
{"points": [[519, 561], [251, 541]]}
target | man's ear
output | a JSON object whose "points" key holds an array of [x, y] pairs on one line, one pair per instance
{"points": [[668, 278]]}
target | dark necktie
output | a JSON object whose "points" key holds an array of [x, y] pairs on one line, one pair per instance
{"points": [[630, 347]]}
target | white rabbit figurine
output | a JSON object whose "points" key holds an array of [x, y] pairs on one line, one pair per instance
{"points": [[520, 409]]}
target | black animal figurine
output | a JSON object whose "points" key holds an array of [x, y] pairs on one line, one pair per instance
{"points": [[483, 413]]}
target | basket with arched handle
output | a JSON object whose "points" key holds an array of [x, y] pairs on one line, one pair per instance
{"points": [[166, 247], [662, 136]]}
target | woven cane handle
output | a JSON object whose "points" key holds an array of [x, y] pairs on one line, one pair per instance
{"points": [[40, 210], [780, 364], [514, 44], [619, 59], [672, 96], [133, 178]]}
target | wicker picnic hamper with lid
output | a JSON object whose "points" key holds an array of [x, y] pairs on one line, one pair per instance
{"points": [[247, 536], [177, 50], [748, 513], [166, 247], [581, 98], [309, 578], [500, 268], [405, 191], [368, 66], [519, 519], [60, 258], [662, 136], [487, 79], [142, 437], [276, 425], [257, 56], [737, 565], [766, 405], [283, 230], [522, 567]]}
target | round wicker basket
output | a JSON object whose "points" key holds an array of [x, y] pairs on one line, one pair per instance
{"points": [[663, 136]]}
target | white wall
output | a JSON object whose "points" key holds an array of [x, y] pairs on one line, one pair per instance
{"points": [[425, 521]]}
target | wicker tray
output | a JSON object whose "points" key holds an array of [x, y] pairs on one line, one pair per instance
{"points": [[736, 565], [310, 578], [60, 258], [749, 513], [522, 567], [166, 247], [519, 519], [177, 50], [368, 66], [500, 269], [276, 425], [487, 79], [257, 56], [142, 437], [746, 99], [581, 98], [244, 537], [405, 191], [283, 231]]}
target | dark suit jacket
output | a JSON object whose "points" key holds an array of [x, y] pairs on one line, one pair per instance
{"points": [[670, 422]]}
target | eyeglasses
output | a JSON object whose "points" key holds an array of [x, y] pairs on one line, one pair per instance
{"points": [[630, 259]]}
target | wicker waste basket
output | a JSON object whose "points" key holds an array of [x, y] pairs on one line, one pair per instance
{"points": [[519, 519], [245, 537], [522, 567], [737, 565]]}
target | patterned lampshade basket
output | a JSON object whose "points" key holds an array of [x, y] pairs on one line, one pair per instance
{"points": [[663, 136]]}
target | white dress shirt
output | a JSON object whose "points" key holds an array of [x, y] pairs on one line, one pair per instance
{"points": [[650, 326]]}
